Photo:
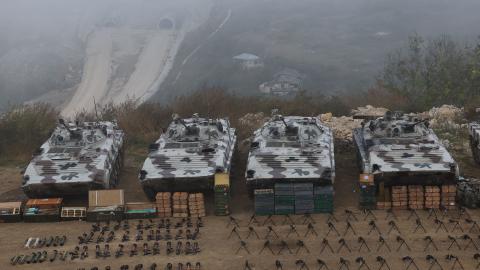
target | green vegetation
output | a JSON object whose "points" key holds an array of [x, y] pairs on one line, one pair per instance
{"points": [[434, 72]]}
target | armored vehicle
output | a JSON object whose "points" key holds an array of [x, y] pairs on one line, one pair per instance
{"points": [[188, 155], [474, 134], [76, 158], [399, 149], [291, 149]]}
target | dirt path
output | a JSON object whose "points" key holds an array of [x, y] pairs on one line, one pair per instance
{"points": [[96, 74]]}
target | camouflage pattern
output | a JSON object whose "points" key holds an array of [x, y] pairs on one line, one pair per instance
{"points": [[397, 143], [187, 156], [474, 134], [468, 192], [291, 149], [75, 159]]}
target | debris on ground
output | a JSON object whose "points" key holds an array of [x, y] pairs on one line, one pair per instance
{"points": [[446, 117], [368, 112]]}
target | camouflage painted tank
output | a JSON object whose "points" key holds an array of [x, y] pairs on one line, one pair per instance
{"points": [[187, 156], [401, 149], [291, 149], [75, 159], [474, 134]]}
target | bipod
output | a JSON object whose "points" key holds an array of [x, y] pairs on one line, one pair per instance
{"points": [[393, 226], [278, 265], [456, 224], [269, 219], [473, 227], [362, 243], [266, 245], [383, 263], [322, 264], [331, 217], [467, 237], [331, 227], [293, 229], [307, 218], [368, 213], [343, 243], [243, 245], [390, 213], [476, 257], [247, 266], [283, 246], [350, 214], [440, 225], [326, 244], [349, 227], [381, 243], [251, 231], [419, 226], [361, 263], [463, 212], [373, 227], [288, 218], [402, 242], [433, 261], [301, 245], [271, 230], [413, 213], [432, 213], [409, 262], [233, 221], [234, 231], [452, 242], [343, 263], [301, 265], [456, 261], [253, 219], [429, 242], [310, 229]]}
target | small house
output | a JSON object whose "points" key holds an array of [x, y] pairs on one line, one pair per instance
{"points": [[248, 61]]}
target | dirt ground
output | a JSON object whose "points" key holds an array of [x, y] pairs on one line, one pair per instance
{"points": [[219, 248]]}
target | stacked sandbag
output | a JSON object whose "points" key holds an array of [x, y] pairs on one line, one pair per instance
{"points": [[432, 197], [164, 204], [449, 193], [180, 204], [399, 197], [415, 197]]}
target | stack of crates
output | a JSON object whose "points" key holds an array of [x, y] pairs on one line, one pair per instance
{"points": [[449, 193], [196, 205], [180, 204], [323, 199], [284, 199], [222, 194], [416, 197], [264, 202], [400, 197], [367, 198], [303, 198], [432, 197], [164, 205]]}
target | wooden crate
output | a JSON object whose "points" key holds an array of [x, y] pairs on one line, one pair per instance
{"points": [[399, 197], [448, 196], [196, 205], [432, 197], [416, 197]]}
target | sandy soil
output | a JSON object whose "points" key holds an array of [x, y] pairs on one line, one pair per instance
{"points": [[219, 250]]}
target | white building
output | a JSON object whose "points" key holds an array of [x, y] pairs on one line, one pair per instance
{"points": [[248, 61]]}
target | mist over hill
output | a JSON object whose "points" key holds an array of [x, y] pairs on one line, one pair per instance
{"points": [[338, 46]]}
